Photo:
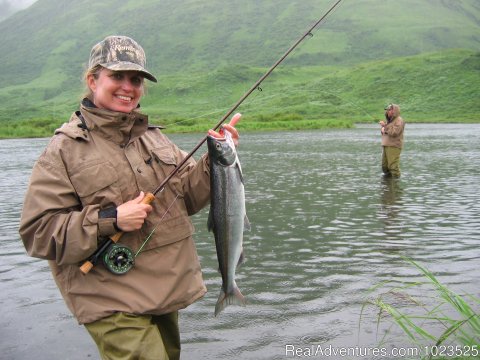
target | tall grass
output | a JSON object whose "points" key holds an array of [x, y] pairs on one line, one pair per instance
{"points": [[451, 323]]}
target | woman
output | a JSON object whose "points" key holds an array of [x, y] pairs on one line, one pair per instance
{"points": [[89, 184]]}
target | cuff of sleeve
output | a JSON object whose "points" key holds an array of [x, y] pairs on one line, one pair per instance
{"points": [[107, 222], [106, 226]]}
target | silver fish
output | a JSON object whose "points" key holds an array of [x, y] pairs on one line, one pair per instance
{"points": [[227, 218]]}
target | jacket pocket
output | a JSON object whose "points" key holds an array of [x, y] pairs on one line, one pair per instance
{"points": [[164, 155], [169, 231], [95, 183], [164, 163]]}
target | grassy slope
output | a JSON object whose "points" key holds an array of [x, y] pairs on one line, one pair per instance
{"points": [[52, 39], [430, 87], [195, 47], [440, 87]]}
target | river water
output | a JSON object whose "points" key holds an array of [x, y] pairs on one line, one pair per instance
{"points": [[326, 229]]}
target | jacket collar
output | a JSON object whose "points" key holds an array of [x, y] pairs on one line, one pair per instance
{"points": [[118, 127]]}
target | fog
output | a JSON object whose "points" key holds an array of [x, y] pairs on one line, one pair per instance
{"points": [[9, 7]]}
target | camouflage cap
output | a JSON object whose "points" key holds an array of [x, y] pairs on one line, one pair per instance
{"points": [[120, 53]]}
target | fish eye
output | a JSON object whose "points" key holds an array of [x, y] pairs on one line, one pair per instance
{"points": [[218, 146]]}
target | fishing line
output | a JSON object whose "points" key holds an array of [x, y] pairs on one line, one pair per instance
{"points": [[214, 112], [218, 110], [353, 104], [257, 86], [155, 228], [149, 197], [119, 258], [348, 102]]}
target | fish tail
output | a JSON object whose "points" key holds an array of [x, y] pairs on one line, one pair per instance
{"points": [[233, 298]]}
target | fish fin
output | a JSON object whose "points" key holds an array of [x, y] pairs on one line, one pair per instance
{"points": [[210, 223], [246, 224], [234, 298], [240, 172], [242, 258]]}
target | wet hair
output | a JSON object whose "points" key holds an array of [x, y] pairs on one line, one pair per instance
{"points": [[95, 71]]}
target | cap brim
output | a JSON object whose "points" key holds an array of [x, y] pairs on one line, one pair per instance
{"points": [[128, 66]]}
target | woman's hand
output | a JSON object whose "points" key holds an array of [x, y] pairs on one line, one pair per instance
{"points": [[132, 214], [230, 128]]}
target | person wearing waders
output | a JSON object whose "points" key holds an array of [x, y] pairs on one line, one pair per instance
{"points": [[392, 140], [89, 184]]}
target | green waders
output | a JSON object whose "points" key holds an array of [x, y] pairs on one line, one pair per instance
{"points": [[123, 336], [391, 161]]}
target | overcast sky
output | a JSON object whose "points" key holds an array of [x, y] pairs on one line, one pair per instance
{"points": [[19, 4], [8, 7]]}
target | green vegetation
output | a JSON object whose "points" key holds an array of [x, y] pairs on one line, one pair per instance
{"points": [[451, 323], [206, 54], [56, 37], [28, 128], [440, 87], [435, 87]]}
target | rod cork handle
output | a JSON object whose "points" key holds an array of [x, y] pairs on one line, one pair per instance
{"points": [[148, 199], [88, 265]]}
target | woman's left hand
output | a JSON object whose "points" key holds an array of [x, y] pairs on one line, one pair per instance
{"points": [[232, 131], [230, 127]]}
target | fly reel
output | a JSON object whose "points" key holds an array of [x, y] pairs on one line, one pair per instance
{"points": [[118, 259]]}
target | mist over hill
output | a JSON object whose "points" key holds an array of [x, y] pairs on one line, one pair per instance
{"points": [[44, 49], [9, 7]]}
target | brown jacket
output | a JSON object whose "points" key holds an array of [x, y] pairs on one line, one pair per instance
{"points": [[83, 171], [393, 135]]}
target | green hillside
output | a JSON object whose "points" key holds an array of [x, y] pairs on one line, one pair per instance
{"points": [[433, 87], [441, 86], [55, 35], [208, 52]]}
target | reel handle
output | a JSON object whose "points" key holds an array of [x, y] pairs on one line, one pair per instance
{"points": [[88, 264]]}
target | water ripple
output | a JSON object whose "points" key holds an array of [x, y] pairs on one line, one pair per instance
{"points": [[325, 228]]}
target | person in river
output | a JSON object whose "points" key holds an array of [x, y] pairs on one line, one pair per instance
{"points": [[392, 140], [89, 184]]}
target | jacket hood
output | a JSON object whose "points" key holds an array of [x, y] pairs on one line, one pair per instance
{"points": [[115, 126], [73, 128]]}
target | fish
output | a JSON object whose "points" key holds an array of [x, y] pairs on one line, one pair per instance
{"points": [[227, 218]]}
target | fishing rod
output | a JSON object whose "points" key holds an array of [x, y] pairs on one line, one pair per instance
{"points": [[149, 197]]}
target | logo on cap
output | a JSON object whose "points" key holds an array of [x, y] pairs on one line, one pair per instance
{"points": [[120, 53]]}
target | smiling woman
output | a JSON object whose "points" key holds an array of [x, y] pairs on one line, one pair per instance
{"points": [[89, 185], [115, 90], [115, 75]]}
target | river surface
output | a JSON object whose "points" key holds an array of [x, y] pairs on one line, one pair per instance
{"points": [[326, 229]]}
